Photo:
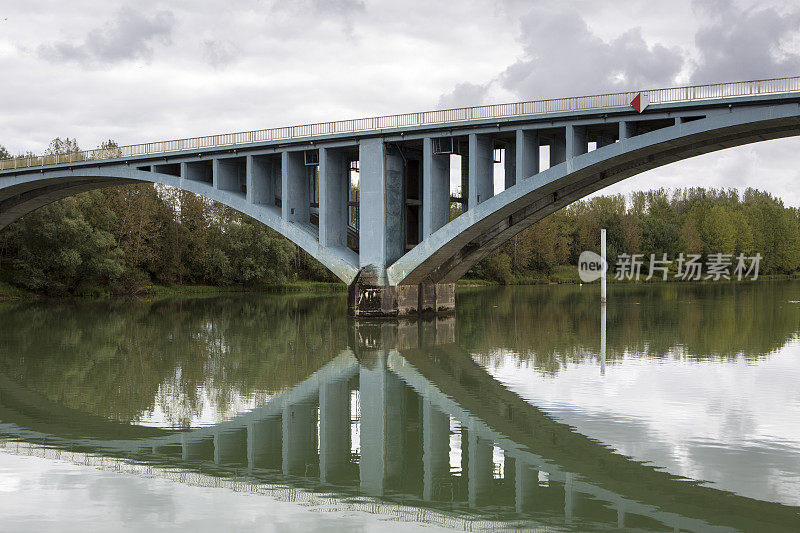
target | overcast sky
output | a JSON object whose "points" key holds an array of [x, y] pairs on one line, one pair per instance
{"points": [[148, 70]]}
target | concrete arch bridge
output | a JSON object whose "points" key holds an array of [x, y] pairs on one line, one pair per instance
{"points": [[393, 243]]}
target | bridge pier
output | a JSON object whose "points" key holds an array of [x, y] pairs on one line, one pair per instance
{"points": [[366, 297]]}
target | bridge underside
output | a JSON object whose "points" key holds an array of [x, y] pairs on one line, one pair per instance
{"points": [[375, 207]]}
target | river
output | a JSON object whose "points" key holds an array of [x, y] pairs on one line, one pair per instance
{"points": [[280, 413]]}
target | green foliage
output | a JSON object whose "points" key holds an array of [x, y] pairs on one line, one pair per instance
{"points": [[693, 220]]}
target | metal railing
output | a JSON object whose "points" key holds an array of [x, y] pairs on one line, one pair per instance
{"points": [[577, 103]]}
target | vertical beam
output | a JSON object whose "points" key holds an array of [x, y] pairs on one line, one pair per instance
{"points": [[381, 403], [464, 181], [510, 165], [481, 169], [558, 150], [294, 184], [260, 184], [225, 174], [381, 204], [527, 152], [435, 448], [299, 437], [333, 185], [526, 482], [626, 129], [435, 188], [577, 140], [264, 443], [230, 446], [480, 469], [569, 496], [334, 429]]}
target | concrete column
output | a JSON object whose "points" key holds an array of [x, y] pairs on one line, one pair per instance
{"points": [[299, 437], [260, 183], [334, 176], [381, 403], [295, 196], [577, 140], [382, 199], [230, 446], [526, 482], [435, 448], [465, 182], [225, 175], [481, 169], [569, 496], [510, 165], [626, 129], [264, 443], [558, 150], [334, 429], [196, 449], [480, 469], [435, 189], [527, 152]]}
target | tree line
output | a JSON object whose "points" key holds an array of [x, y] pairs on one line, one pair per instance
{"points": [[690, 221]]}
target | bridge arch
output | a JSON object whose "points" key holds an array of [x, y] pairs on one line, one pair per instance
{"points": [[32, 191], [451, 251]]}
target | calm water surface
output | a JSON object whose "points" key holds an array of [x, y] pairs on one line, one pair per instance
{"points": [[279, 413]]}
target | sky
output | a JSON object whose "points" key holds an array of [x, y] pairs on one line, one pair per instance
{"points": [[148, 70]]}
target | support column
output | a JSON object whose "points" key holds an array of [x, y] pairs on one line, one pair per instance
{"points": [[334, 429], [202, 449], [226, 174], [481, 169], [264, 443], [569, 497], [381, 403], [230, 446], [435, 189], [510, 165], [299, 437], [381, 241], [558, 150], [334, 177], [527, 480], [480, 469], [435, 449], [577, 141], [626, 129], [295, 199], [260, 185], [527, 153]]}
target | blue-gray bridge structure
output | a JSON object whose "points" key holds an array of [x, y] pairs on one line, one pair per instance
{"points": [[402, 253]]}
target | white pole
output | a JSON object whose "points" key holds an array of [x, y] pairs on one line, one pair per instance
{"points": [[603, 339], [605, 266]]}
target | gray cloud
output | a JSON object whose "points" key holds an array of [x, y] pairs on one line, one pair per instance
{"points": [[219, 53], [561, 56], [129, 35], [464, 95], [743, 44]]}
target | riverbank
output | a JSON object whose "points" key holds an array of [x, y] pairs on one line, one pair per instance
{"points": [[563, 275], [11, 292]]}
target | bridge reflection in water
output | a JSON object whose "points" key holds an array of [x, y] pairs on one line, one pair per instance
{"points": [[403, 421]]}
